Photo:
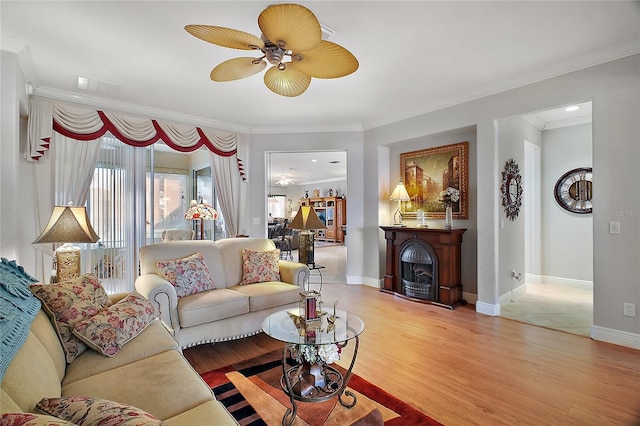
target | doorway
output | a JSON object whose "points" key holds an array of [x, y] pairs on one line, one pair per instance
{"points": [[557, 291], [295, 177]]}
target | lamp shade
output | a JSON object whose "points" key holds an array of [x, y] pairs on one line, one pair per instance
{"points": [[307, 219], [201, 211], [68, 225], [400, 193]]}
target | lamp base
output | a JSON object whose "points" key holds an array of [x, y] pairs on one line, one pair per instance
{"points": [[67, 263], [305, 249], [397, 218]]}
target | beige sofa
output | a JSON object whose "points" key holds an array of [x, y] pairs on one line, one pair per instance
{"points": [[148, 373], [230, 311]]}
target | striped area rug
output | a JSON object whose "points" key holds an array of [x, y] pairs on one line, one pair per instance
{"points": [[251, 392]]}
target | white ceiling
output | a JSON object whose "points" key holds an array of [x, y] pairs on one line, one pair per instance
{"points": [[415, 56], [307, 167]]}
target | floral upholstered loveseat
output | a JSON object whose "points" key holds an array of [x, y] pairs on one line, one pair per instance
{"points": [[211, 291]]}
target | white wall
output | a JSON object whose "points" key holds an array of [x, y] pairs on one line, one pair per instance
{"points": [[567, 238], [513, 135], [351, 142], [469, 238], [614, 89]]}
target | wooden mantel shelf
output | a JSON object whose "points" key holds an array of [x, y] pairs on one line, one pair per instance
{"points": [[447, 245]]}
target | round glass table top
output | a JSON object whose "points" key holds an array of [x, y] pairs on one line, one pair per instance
{"points": [[288, 326]]}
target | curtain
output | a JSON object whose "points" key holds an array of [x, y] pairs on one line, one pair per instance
{"points": [[73, 166], [228, 187], [87, 124]]}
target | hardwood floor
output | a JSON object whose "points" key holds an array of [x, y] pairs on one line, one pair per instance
{"points": [[464, 368]]}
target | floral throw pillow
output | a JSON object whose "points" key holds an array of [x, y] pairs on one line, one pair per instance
{"points": [[93, 411], [30, 419], [70, 302], [189, 275], [109, 330], [260, 266]]}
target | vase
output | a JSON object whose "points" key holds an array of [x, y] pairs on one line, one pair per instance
{"points": [[448, 217]]}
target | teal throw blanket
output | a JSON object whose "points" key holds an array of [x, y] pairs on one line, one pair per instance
{"points": [[18, 308]]}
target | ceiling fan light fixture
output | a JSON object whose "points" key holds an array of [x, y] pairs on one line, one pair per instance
{"points": [[297, 33], [288, 81]]}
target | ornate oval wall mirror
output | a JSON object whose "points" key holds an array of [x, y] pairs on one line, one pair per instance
{"points": [[511, 189]]}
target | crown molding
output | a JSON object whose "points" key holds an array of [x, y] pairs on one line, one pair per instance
{"points": [[555, 70], [119, 106]]}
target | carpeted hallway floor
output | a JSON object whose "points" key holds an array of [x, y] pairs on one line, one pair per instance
{"points": [[562, 307]]}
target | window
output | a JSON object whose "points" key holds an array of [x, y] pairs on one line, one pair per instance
{"points": [[136, 194], [168, 202], [110, 206]]}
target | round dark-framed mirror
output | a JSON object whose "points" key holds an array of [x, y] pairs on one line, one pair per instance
{"points": [[574, 189]]}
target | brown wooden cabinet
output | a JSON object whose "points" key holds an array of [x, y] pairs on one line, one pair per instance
{"points": [[332, 211]]}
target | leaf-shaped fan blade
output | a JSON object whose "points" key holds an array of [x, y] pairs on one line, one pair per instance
{"points": [[237, 68], [327, 60], [288, 82], [225, 37], [296, 25]]}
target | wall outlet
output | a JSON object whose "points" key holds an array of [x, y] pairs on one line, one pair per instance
{"points": [[629, 310]]}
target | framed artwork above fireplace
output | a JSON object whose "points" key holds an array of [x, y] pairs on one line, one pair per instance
{"points": [[428, 172]]}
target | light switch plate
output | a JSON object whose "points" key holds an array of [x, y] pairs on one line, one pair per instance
{"points": [[614, 227]]}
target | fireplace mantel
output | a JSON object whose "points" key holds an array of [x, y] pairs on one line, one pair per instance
{"points": [[447, 245]]}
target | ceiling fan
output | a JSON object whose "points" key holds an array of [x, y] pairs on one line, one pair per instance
{"points": [[288, 30], [284, 181]]}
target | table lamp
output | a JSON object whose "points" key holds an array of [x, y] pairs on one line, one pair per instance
{"points": [[399, 194], [306, 219], [201, 211], [67, 225]]}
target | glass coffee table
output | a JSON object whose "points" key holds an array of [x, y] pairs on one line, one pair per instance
{"points": [[314, 346]]}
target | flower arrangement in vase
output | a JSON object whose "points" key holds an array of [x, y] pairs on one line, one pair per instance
{"points": [[448, 197]]}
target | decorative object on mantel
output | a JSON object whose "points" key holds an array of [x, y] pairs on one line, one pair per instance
{"points": [[201, 211], [511, 189], [448, 197], [422, 219], [316, 193], [67, 225], [574, 189], [428, 171], [399, 194]]}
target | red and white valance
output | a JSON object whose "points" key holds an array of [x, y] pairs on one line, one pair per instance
{"points": [[88, 124]]}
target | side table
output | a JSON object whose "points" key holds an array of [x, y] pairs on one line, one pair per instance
{"points": [[315, 380]]}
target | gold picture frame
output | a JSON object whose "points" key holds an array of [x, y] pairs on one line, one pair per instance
{"points": [[426, 173]]}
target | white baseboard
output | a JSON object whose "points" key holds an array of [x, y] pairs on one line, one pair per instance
{"points": [[512, 295], [470, 298], [371, 282], [548, 279], [488, 309], [617, 337]]}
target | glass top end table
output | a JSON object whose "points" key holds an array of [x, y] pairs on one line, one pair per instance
{"points": [[314, 346]]}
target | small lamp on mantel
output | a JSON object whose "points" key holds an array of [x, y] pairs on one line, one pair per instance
{"points": [[399, 194], [306, 219], [201, 211], [67, 225]]}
